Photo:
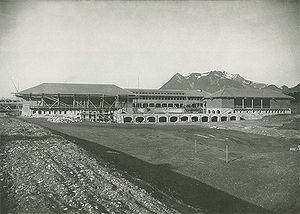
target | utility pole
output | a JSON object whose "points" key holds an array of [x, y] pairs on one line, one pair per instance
{"points": [[226, 154]]}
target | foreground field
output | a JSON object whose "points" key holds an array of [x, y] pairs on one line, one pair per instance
{"points": [[191, 159], [282, 126], [41, 172]]}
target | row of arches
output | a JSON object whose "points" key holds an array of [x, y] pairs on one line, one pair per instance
{"points": [[213, 111], [173, 119]]}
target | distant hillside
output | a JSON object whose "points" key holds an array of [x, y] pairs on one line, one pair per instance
{"points": [[294, 92], [210, 81], [272, 87], [295, 89]]}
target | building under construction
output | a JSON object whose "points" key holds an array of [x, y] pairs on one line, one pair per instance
{"points": [[95, 102], [103, 102], [10, 107]]}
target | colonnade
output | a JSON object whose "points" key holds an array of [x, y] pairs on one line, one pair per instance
{"points": [[180, 118]]}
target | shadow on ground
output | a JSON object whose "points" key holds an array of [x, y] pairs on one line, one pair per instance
{"points": [[188, 190]]}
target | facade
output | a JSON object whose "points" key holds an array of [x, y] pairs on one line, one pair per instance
{"points": [[101, 102], [177, 101], [95, 102], [248, 103]]}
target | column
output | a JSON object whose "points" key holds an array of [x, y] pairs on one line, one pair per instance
{"points": [[102, 101], [43, 101], [261, 103], [243, 103], [58, 103], [252, 103]]}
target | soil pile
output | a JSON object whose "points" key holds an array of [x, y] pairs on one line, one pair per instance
{"points": [[44, 173]]}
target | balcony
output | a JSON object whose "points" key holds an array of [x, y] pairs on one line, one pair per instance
{"points": [[263, 110]]}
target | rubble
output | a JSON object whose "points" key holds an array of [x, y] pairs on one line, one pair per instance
{"points": [[45, 173], [63, 119]]}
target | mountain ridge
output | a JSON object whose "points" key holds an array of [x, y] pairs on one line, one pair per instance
{"points": [[210, 81]]}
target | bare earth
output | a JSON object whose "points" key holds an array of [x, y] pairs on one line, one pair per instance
{"points": [[44, 173], [141, 168]]}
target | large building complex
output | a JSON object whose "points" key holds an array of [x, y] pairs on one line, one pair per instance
{"points": [[102, 102]]}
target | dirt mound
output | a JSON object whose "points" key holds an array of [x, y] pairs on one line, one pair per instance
{"points": [[53, 175]]}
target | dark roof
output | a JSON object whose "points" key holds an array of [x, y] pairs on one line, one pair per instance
{"points": [[248, 92], [170, 92], [70, 88]]}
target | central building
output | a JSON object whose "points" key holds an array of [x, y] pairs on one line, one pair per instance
{"points": [[168, 101]]}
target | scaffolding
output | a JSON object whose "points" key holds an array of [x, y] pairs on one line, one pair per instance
{"points": [[10, 107], [95, 107]]}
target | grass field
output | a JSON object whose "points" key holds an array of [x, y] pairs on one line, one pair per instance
{"points": [[189, 161]]}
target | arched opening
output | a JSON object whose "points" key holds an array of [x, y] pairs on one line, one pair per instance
{"points": [[218, 111], [162, 119], [214, 119], [164, 105], [241, 118], [224, 118], [145, 105], [151, 119], [233, 118], [209, 111], [195, 119], [173, 119], [204, 119], [158, 105], [170, 105], [213, 111], [183, 119], [139, 119], [127, 120]]}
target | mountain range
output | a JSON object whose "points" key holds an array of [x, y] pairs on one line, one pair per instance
{"points": [[213, 81]]}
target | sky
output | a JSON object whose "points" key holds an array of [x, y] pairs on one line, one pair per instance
{"points": [[144, 43]]}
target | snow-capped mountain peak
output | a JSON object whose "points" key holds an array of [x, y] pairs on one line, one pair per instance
{"points": [[210, 81]]}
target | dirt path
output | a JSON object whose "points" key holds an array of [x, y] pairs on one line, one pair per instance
{"points": [[44, 173]]}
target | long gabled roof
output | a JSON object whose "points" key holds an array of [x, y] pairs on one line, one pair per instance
{"points": [[170, 92], [248, 92], [71, 88]]}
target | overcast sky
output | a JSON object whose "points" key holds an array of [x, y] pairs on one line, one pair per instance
{"points": [[119, 42]]}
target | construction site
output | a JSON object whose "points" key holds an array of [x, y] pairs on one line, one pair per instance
{"points": [[110, 103], [99, 148]]}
